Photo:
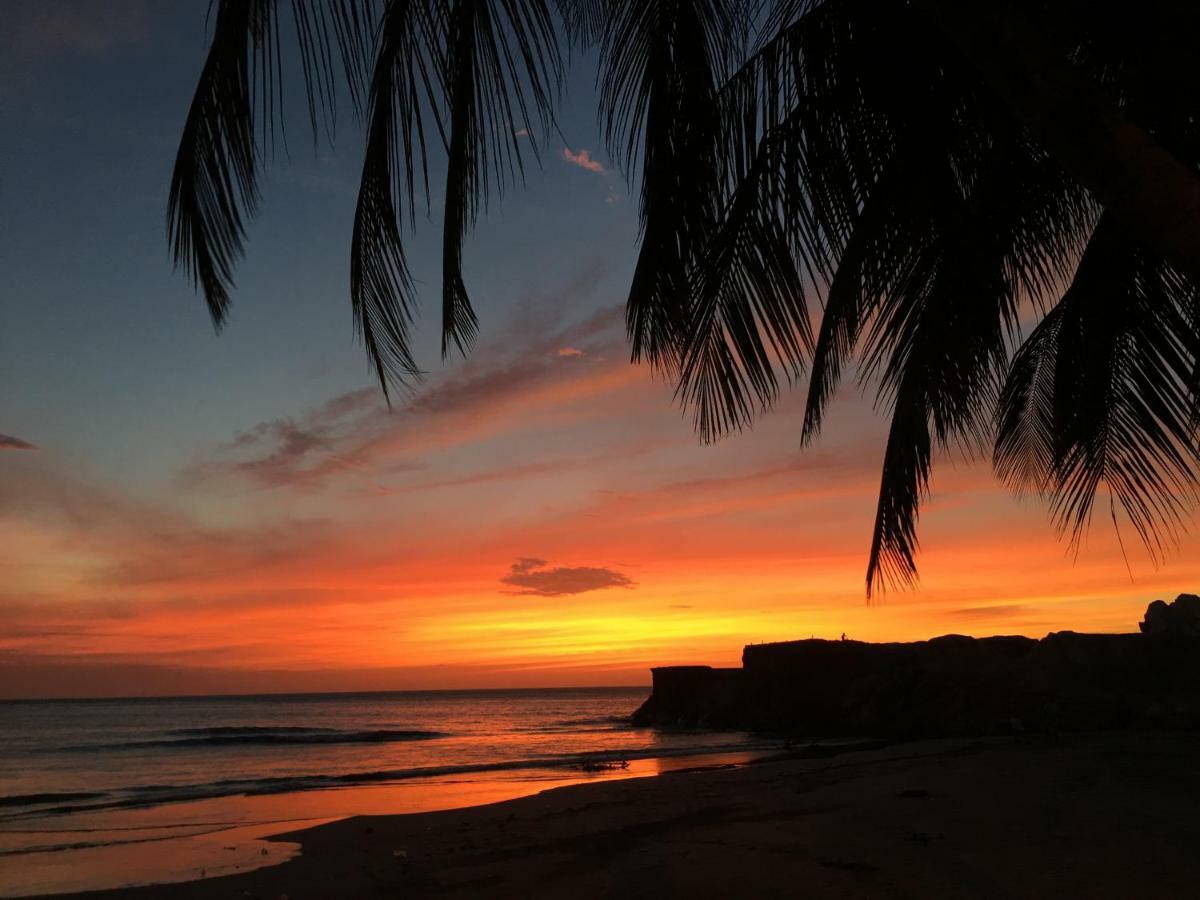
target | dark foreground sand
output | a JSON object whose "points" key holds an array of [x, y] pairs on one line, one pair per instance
{"points": [[1077, 817]]}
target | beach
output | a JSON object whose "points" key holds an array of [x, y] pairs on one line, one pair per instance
{"points": [[1088, 815], [103, 794]]}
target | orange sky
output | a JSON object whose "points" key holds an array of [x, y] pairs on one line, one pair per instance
{"points": [[348, 547]]}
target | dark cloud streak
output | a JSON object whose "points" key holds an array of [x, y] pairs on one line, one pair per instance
{"points": [[7, 442], [353, 431], [292, 451]]}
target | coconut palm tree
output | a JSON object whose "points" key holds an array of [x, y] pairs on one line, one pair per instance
{"points": [[897, 186]]}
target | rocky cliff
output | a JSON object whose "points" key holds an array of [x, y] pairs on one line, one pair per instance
{"points": [[950, 685]]}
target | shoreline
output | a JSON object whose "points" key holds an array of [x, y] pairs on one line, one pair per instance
{"points": [[1101, 815], [106, 849], [563, 767]]}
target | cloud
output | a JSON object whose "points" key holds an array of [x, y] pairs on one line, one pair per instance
{"points": [[584, 160], [533, 576], [353, 434], [7, 442], [294, 445], [352, 402], [471, 388], [527, 564], [81, 552], [297, 437], [521, 132], [291, 451]]}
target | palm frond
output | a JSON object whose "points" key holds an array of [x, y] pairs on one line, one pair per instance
{"points": [[237, 110], [748, 310], [864, 272], [502, 71], [1122, 348], [908, 344], [904, 485], [214, 185], [584, 20], [661, 62], [1024, 451], [325, 28], [1124, 165], [403, 92], [997, 224], [458, 318], [1194, 387]]}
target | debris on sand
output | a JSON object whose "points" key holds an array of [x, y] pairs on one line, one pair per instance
{"points": [[603, 765]]}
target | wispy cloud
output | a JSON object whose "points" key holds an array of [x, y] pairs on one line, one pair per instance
{"points": [[7, 442], [291, 451], [584, 160], [534, 576], [354, 434]]}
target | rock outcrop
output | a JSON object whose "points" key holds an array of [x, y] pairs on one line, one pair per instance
{"points": [[1179, 617], [951, 685], [692, 696]]}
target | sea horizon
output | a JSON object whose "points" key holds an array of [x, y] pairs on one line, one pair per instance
{"points": [[297, 694]]}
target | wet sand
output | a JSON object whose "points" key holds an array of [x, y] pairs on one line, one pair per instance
{"points": [[1089, 816]]}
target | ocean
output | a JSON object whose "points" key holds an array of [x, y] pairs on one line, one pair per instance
{"points": [[88, 788]]}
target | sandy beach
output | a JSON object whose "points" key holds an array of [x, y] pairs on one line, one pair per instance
{"points": [[1090, 816]]}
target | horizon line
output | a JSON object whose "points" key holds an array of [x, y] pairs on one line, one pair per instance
{"points": [[286, 694]]}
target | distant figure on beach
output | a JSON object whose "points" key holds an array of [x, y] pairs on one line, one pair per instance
{"points": [[843, 635]]}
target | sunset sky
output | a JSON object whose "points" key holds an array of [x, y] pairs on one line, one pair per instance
{"points": [[182, 512]]}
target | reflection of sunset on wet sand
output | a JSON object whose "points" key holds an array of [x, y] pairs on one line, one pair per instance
{"points": [[211, 844]]}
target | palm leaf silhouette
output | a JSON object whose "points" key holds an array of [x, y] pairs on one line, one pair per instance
{"points": [[932, 174], [1100, 395]]}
